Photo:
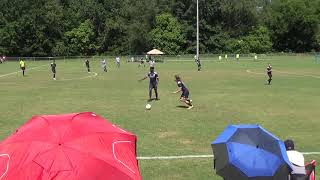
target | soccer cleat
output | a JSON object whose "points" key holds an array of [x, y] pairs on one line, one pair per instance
{"points": [[190, 107], [54, 79]]}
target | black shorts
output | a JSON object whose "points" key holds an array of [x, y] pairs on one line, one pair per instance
{"points": [[23, 68], [270, 75], [53, 71], [185, 94]]}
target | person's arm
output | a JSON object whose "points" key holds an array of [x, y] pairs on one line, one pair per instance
{"points": [[179, 90], [145, 77]]}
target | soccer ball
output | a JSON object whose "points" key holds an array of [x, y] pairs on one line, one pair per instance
{"points": [[148, 107]]}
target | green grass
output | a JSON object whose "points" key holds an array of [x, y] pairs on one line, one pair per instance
{"points": [[223, 93]]}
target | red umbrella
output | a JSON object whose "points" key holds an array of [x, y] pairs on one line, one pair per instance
{"points": [[80, 146]]}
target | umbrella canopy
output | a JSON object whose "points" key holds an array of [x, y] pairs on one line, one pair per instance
{"points": [[155, 52], [249, 152], [79, 146]]}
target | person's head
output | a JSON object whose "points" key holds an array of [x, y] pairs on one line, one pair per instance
{"points": [[152, 69], [269, 64], [289, 144], [177, 78]]}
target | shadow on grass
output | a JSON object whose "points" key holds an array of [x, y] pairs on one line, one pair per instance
{"points": [[153, 99], [182, 107]]}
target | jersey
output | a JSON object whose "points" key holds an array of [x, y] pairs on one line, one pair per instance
{"points": [[53, 67], [22, 64], [152, 63], [269, 69], [182, 86], [153, 76], [118, 60], [103, 63], [297, 160], [87, 63]]}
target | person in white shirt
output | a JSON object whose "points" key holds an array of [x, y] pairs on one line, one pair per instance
{"points": [[152, 63], [118, 62], [297, 160]]}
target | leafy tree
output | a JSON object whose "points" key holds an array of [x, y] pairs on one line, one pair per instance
{"points": [[294, 24], [81, 40], [72, 27], [167, 34]]}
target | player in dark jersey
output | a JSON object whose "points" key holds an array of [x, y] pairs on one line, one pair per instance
{"points": [[87, 62], [185, 92], [53, 69], [197, 60], [269, 72], [154, 80]]}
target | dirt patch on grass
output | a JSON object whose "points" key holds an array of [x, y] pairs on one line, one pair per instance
{"points": [[186, 141], [167, 134]]}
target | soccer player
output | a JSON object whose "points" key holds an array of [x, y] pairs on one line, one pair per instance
{"points": [[118, 61], [197, 60], [87, 62], [22, 66], [185, 92], [153, 85], [142, 63], [237, 57], [53, 69], [269, 72], [104, 65], [152, 63]]}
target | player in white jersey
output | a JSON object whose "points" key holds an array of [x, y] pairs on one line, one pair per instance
{"points": [[118, 61]]}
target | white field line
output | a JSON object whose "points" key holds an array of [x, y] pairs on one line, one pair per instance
{"points": [[4, 75], [196, 156]]}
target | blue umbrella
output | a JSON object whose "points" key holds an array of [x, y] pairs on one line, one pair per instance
{"points": [[249, 152]]}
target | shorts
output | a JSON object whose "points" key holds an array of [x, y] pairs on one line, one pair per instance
{"points": [[185, 94], [270, 75], [153, 86], [53, 71], [23, 68]]}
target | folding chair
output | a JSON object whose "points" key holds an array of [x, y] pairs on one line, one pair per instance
{"points": [[311, 170]]}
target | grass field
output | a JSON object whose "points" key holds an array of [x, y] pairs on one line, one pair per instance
{"points": [[223, 93]]}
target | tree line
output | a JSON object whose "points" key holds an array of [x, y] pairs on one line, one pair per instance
{"points": [[120, 27]]}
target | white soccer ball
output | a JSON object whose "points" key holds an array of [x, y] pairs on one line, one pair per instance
{"points": [[148, 106]]}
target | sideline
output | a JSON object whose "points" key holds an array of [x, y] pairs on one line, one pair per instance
{"points": [[196, 156]]}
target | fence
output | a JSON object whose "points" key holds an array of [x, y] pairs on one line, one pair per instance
{"points": [[168, 58]]}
